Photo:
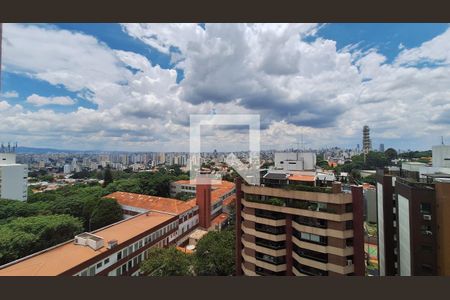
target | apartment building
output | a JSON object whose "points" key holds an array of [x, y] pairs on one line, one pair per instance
{"points": [[115, 250], [13, 178], [413, 215], [413, 224], [284, 231]]}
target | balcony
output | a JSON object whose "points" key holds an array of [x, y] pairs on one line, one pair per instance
{"points": [[323, 249], [310, 254], [270, 244], [300, 212], [263, 249], [263, 264], [338, 198], [270, 229], [318, 223], [267, 236], [262, 220], [274, 260]]}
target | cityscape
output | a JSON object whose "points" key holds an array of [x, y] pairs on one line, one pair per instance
{"points": [[98, 176]]}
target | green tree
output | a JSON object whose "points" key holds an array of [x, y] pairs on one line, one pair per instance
{"points": [[107, 211], [167, 262], [26, 235], [214, 254], [390, 154], [107, 176]]}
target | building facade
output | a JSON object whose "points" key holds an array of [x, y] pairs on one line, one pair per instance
{"points": [[413, 225], [13, 178], [282, 232]]}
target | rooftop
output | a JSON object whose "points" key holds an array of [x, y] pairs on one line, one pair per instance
{"points": [[219, 219], [218, 190], [307, 178], [61, 258], [153, 203]]}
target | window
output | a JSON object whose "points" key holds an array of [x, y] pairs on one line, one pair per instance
{"points": [[425, 208], [427, 269], [311, 237], [91, 271], [426, 230], [119, 255], [99, 265], [427, 248], [106, 261]]}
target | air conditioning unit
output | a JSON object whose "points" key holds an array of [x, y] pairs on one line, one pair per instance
{"points": [[112, 244], [349, 262], [427, 217]]}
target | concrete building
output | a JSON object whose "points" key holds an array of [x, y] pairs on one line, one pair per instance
{"points": [[115, 250], [413, 223], [285, 232], [13, 178], [367, 142], [118, 249], [294, 161], [370, 203]]}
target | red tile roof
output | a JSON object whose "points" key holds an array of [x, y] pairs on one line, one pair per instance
{"points": [[168, 205], [309, 178], [219, 219]]}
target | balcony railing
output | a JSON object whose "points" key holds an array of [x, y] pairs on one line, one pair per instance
{"points": [[293, 203], [270, 244], [270, 229], [274, 260], [318, 223]]}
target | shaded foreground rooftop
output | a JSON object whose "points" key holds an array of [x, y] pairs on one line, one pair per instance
{"points": [[66, 256]]}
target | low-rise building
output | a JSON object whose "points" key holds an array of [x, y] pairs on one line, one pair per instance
{"points": [[115, 250]]}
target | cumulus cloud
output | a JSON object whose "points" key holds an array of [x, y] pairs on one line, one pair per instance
{"points": [[10, 94], [298, 82], [437, 50], [41, 101]]}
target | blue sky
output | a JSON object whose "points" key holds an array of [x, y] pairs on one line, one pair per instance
{"points": [[225, 67]]}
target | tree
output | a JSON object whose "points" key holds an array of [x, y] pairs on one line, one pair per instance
{"points": [[26, 235], [184, 196], [215, 253], [390, 154], [167, 262], [106, 211], [107, 176], [323, 164]]}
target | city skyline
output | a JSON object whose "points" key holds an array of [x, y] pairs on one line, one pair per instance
{"points": [[132, 87]]}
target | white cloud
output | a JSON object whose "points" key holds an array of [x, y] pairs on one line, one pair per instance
{"points": [[10, 94], [41, 101], [298, 86], [435, 50]]}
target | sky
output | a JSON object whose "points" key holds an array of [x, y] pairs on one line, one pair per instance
{"points": [[133, 87]]}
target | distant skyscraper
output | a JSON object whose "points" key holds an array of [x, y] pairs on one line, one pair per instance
{"points": [[367, 143], [381, 147]]}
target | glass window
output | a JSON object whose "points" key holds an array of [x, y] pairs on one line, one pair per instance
{"points": [[425, 208], [106, 261]]}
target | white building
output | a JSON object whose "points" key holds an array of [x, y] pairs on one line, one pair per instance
{"points": [[13, 178], [293, 161], [67, 169]]}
